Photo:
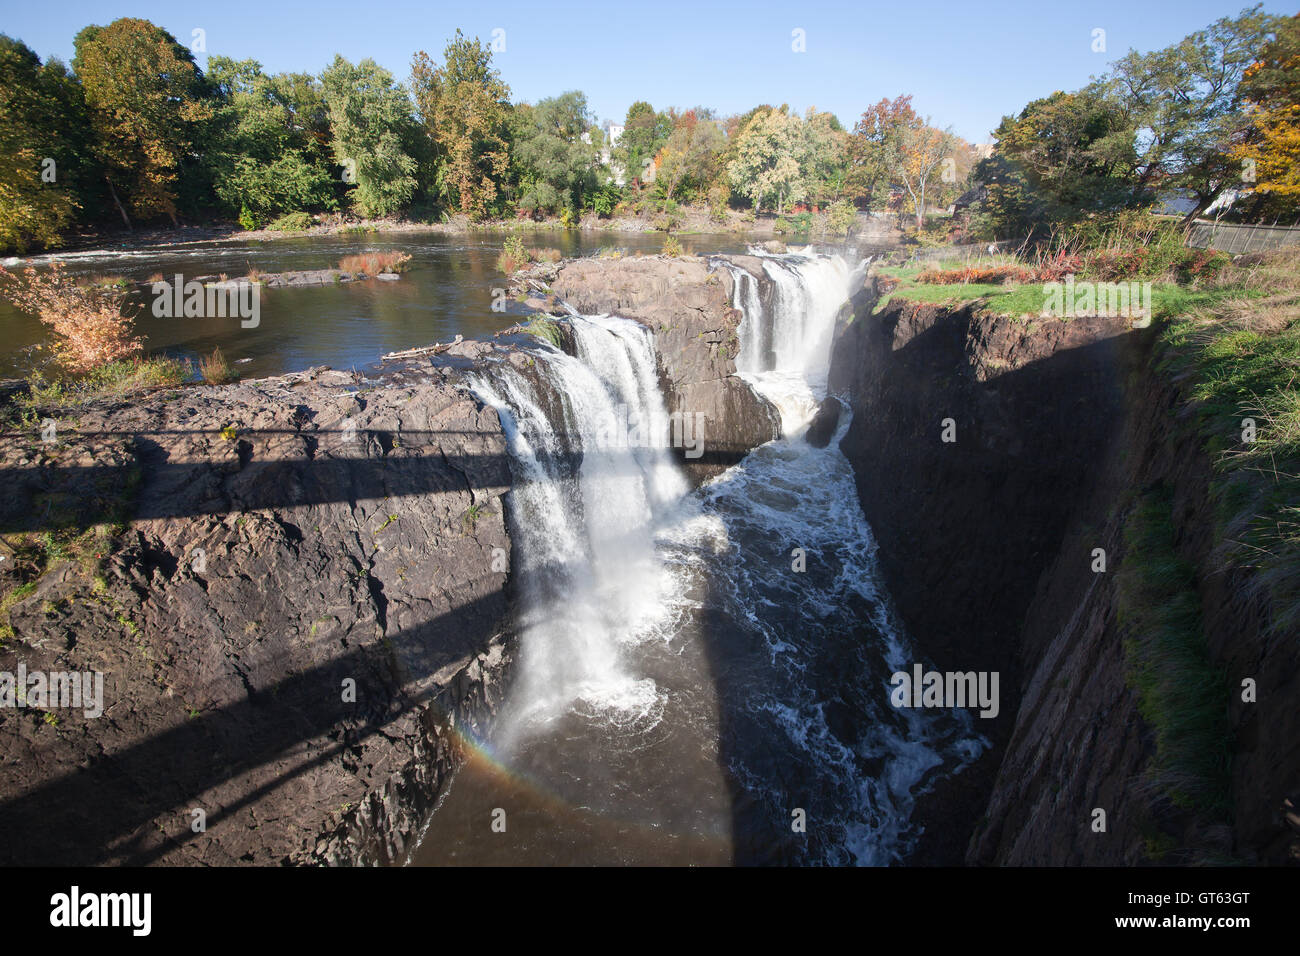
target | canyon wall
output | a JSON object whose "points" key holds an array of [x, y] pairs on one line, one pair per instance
{"points": [[987, 543]]}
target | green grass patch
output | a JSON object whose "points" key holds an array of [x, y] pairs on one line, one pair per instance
{"points": [[1245, 380], [1027, 300], [1181, 694], [546, 329]]}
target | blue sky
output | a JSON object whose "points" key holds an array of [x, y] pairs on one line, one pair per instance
{"points": [[965, 63]]}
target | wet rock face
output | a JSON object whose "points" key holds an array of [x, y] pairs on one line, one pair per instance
{"points": [[307, 607], [822, 427], [688, 307]]}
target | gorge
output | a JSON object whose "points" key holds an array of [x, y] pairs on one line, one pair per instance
{"points": [[569, 645]]}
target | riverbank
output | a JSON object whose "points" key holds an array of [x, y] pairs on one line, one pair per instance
{"points": [[689, 221]]}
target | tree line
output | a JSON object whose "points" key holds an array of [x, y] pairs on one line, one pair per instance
{"points": [[134, 131]]}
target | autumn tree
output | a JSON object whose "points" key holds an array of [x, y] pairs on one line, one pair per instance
{"points": [[373, 132], [689, 158], [1270, 150], [922, 150], [42, 155], [147, 102], [872, 152], [465, 108]]}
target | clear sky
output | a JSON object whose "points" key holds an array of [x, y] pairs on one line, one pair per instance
{"points": [[966, 62]]}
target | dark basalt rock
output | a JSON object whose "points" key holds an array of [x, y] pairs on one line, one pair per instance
{"points": [[823, 425]]}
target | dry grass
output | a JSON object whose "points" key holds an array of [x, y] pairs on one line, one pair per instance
{"points": [[544, 255], [375, 263], [215, 369]]}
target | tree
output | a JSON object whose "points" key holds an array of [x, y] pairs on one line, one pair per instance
{"points": [[147, 100], [1184, 105], [373, 128], [644, 133], [766, 163], [921, 151], [1270, 150], [873, 149], [266, 155], [41, 113], [465, 109], [554, 156], [1063, 157], [824, 156], [690, 156]]}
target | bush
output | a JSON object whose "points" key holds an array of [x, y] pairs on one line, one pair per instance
{"points": [[292, 222], [672, 247], [89, 327], [719, 198], [782, 226], [841, 217], [544, 255], [513, 255], [249, 219], [375, 263], [215, 369], [988, 275]]}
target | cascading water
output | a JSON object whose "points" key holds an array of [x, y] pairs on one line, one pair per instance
{"points": [[694, 667]]}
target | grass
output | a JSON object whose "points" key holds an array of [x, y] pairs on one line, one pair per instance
{"points": [[1027, 299], [113, 380], [1181, 694], [215, 369], [1241, 360], [546, 329]]}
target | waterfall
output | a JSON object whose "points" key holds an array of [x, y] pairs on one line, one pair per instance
{"points": [[591, 577], [694, 665], [785, 350]]}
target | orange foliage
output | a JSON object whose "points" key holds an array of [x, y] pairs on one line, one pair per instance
{"points": [[89, 327]]}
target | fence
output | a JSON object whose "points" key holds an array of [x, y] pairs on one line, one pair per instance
{"points": [[1238, 238]]}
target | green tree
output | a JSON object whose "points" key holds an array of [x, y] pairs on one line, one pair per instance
{"points": [[373, 134], [465, 109], [1184, 105], [644, 132], [554, 156], [266, 153], [766, 166]]}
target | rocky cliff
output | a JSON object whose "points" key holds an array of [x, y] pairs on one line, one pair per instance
{"points": [[295, 590], [1060, 433], [687, 304]]}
